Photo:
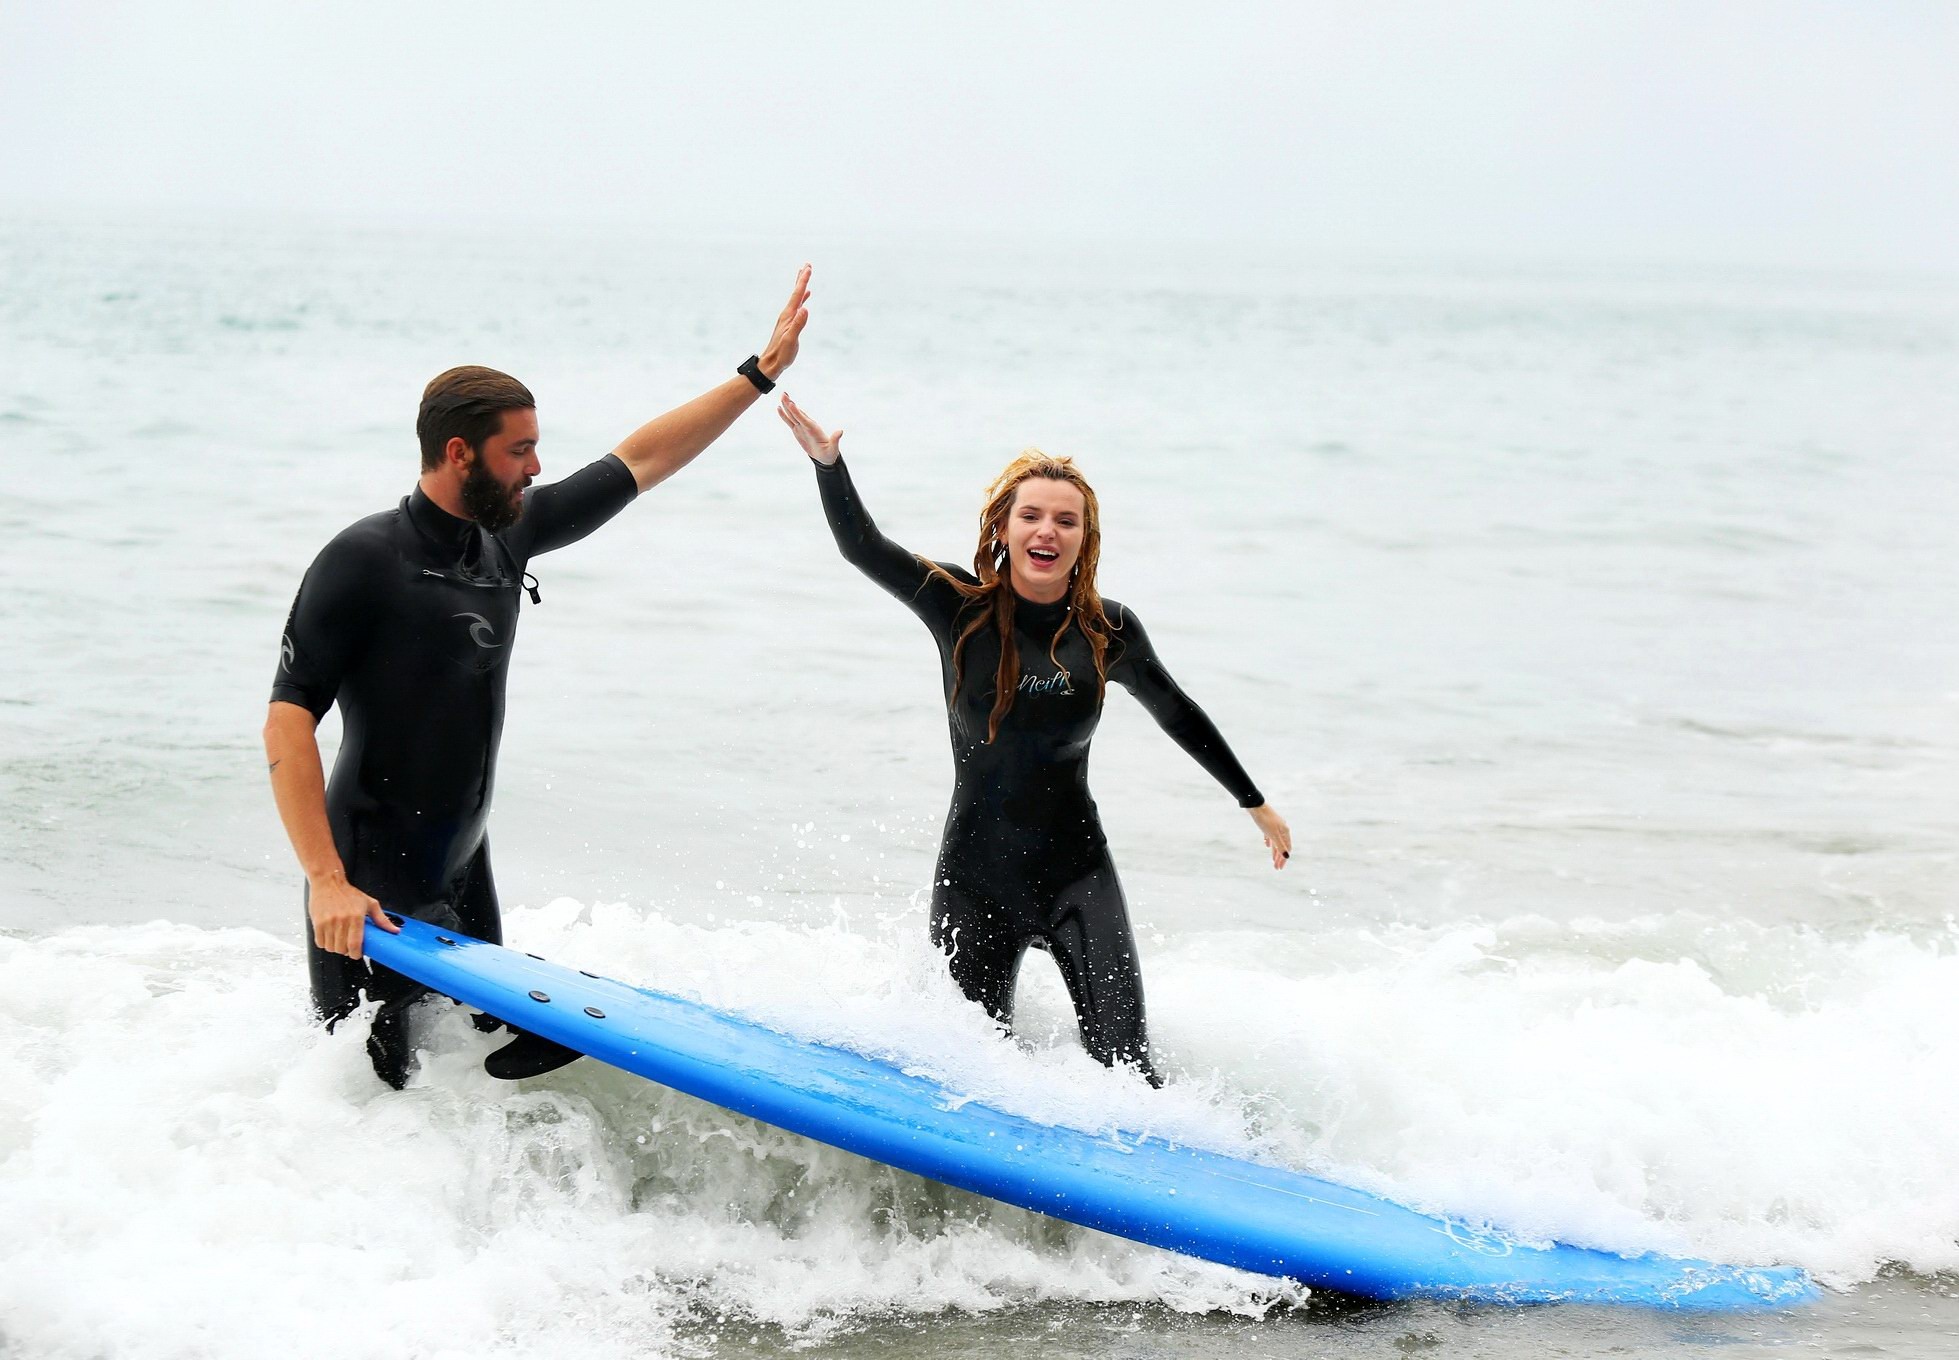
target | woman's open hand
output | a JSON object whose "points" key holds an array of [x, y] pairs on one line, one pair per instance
{"points": [[1278, 836], [818, 445]]}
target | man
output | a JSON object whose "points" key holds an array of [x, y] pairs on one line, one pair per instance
{"points": [[406, 620]]}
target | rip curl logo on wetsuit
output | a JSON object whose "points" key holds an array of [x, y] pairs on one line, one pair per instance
{"points": [[482, 632], [285, 652], [1058, 683]]}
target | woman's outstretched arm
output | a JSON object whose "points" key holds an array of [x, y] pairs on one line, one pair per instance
{"points": [[1139, 670], [898, 570]]}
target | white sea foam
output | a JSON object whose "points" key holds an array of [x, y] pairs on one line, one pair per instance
{"points": [[186, 1164]]}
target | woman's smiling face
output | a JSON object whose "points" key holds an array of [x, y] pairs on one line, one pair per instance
{"points": [[1044, 537]]}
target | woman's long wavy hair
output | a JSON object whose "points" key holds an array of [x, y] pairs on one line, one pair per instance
{"points": [[992, 600]]}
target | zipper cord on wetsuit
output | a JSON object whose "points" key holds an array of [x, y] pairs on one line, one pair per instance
{"points": [[529, 581]]}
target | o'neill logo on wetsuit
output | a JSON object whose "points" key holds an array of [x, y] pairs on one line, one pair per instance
{"points": [[1057, 683], [482, 632]]}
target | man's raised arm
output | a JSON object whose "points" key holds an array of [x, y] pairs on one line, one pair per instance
{"points": [[668, 443]]}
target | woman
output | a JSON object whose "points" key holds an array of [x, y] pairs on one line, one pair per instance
{"points": [[1027, 647]]}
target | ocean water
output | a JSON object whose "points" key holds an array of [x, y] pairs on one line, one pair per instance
{"points": [[1593, 628]]}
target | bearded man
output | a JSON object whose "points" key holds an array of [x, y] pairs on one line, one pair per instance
{"points": [[406, 621]]}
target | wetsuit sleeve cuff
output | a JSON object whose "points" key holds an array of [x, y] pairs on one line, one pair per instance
{"points": [[1251, 800], [616, 461], [292, 694]]}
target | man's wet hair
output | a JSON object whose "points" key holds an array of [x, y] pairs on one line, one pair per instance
{"points": [[466, 403]]}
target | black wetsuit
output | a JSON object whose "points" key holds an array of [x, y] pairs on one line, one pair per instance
{"points": [[406, 620], [1023, 860]]}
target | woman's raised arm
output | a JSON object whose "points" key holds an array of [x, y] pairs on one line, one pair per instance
{"points": [[899, 571]]}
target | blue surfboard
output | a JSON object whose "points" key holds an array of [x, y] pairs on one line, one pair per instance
{"points": [[1238, 1213]]}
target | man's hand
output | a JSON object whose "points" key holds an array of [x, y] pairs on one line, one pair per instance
{"points": [[668, 443], [1278, 836], [818, 445], [781, 349], [339, 910]]}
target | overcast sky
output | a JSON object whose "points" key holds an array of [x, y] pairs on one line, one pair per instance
{"points": [[1778, 131]]}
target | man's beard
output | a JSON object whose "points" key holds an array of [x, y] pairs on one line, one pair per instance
{"points": [[488, 500]]}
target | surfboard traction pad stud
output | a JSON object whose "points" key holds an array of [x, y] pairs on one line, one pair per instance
{"points": [[1259, 1218]]}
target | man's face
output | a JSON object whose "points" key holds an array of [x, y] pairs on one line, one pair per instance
{"points": [[493, 488]]}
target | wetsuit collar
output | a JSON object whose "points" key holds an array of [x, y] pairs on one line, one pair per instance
{"points": [[445, 528], [1037, 617]]}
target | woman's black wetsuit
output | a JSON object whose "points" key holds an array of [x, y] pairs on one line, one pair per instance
{"points": [[1024, 860]]}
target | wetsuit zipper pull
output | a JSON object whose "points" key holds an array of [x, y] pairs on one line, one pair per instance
{"points": [[530, 586]]}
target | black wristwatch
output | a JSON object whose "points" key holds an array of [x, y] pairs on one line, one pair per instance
{"points": [[751, 369]]}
